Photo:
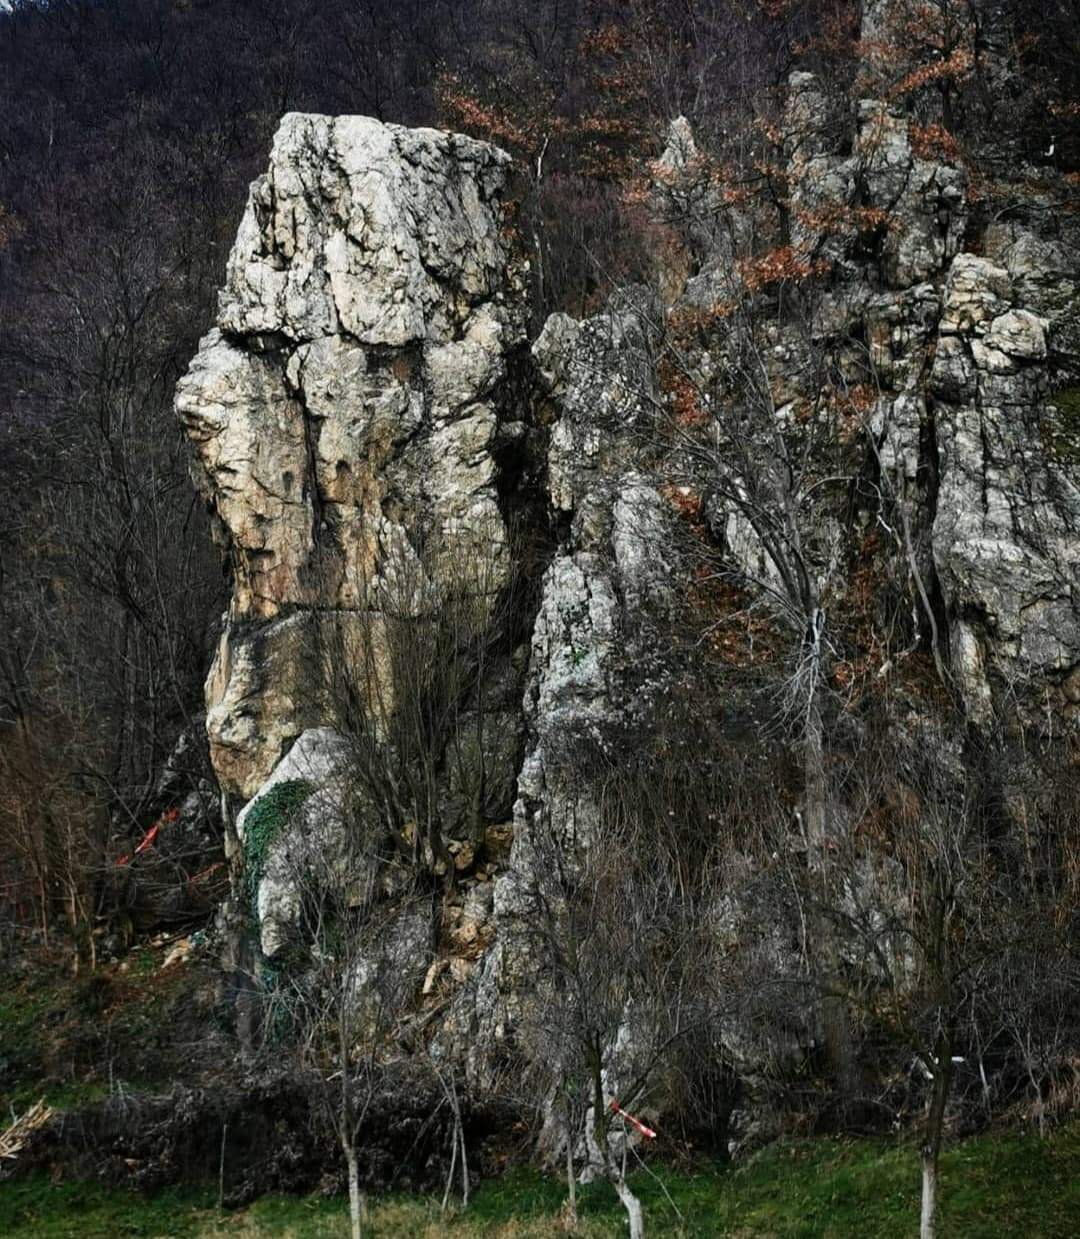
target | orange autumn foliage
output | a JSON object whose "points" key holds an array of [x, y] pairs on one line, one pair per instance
{"points": [[783, 265]]}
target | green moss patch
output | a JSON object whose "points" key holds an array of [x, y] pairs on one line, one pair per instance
{"points": [[269, 816], [1061, 430]]}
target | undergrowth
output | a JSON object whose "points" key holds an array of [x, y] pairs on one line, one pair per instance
{"points": [[73, 1040], [993, 1187]]}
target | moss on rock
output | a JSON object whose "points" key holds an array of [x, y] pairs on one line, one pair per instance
{"points": [[268, 817]]}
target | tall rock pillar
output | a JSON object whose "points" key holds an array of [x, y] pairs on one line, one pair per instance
{"points": [[346, 408]]}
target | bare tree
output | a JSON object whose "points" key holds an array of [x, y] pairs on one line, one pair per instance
{"points": [[339, 984], [412, 675], [926, 893], [617, 922], [111, 585], [1025, 989], [770, 479]]}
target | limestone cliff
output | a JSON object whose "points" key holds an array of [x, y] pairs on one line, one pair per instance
{"points": [[356, 405], [964, 351], [346, 409]]}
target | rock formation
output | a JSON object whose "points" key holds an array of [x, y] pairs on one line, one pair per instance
{"points": [[355, 407], [964, 351], [345, 410]]}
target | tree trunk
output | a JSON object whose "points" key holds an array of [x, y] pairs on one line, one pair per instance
{"points": [[1040, 1105], [600, 1155], [356, 1203], [928, 1220], [571, 1181], [815, 789], [450, 1172], [935, 1127], [464, 1167], [632, 1206]]}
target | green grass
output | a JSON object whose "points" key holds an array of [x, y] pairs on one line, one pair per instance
{"points": [[993, 1187], [1061, 431]]}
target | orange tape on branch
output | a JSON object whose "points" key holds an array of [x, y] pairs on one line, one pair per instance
{"points": [[148, 838], [636, 1123], [147, 841]]}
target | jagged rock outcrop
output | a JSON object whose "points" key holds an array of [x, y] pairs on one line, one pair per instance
{"points": [[355, 406], [964, 352], [1006, 534], [593, 668], [345, 410], [616, 559]]}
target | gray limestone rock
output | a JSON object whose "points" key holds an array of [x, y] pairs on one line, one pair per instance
{"points": [[320, 757], [1006, 535], [611, 571], [964, 351], [345, 410], [349, 411], [360, 229]]}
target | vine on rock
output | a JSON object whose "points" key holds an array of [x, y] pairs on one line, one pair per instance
{"points": [[268, 817]]}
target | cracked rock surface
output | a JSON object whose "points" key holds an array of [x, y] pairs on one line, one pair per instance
{"points": [[592, 661], [344, 410], [355, 399], [973, 357]]}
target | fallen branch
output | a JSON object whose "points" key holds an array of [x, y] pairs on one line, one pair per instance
{"points": [[13, 1140]]}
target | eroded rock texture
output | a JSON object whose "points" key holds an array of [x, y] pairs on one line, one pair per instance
{"points": [[345, 409], [594, 666], [971, 357], [353, 406]]}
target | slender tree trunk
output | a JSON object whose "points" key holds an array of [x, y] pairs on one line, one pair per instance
{"points": [[450, 1172], [538, 224], [600, 1154], [44, 909], [1040, 1104], [465, 1185], [348, 1128], [935, 1127], [221, 1167], [571, 1180], [928, 1219], [356, 1201], [632, 1206], [815, 789]]}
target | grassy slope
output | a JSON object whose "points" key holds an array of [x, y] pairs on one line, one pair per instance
{"points": [[70, 1039], [59, 1036], [993, 1186]]}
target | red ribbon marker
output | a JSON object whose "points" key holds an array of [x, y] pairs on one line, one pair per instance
{"points": [[147, 841], [148, 838], [636, 1123]]}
